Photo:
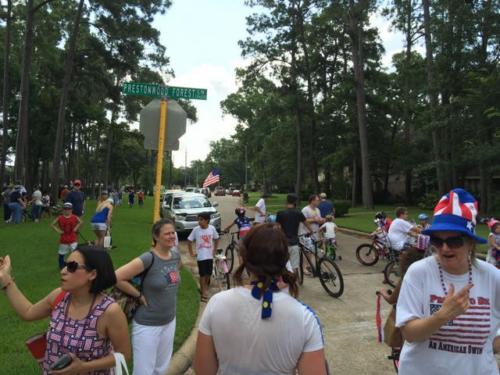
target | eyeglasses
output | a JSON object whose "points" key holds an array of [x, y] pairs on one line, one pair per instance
{"points": [[73, 266], [451, 242]]}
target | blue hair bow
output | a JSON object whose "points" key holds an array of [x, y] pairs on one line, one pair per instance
{"points": [[259, 292]]}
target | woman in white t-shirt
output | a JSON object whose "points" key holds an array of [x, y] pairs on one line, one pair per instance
{"points": [[449, 305], [256, 329]]}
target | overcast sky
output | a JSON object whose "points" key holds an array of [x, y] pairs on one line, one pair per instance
{"points": [[202, 37]]}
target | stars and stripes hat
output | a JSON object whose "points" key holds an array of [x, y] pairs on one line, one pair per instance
{"points": [[456, 212]]}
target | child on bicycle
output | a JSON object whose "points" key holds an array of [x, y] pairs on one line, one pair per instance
{"points": [[206, 239], [242, 222], [494, 242], [328, 230]]}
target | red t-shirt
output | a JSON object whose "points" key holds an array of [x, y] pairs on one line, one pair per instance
{"points": [[67, 225]]}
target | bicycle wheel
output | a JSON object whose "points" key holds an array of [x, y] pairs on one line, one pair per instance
{"points": [[331, 277], [367, 254], [392, 273], [301, 268], [221, 278], [229, 253]]}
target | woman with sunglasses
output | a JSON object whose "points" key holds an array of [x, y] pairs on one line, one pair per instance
{"points": [[153, 325], [100, 324], [449, 305], [255, 328]]}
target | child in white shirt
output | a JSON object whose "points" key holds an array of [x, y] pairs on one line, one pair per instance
{"points": [[328, 229]]}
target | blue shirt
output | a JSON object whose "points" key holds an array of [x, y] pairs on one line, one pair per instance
{"points": [[76, 198], [325, 207]]}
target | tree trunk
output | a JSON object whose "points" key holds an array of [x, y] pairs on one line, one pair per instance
{"points": [[431, 92], [5, 92], [407, 100], [356, 33], [22, 146], [354, 180], [61, 115], [109, 145]]}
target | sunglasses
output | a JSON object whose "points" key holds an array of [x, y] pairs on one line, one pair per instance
{"points": [[451, 242], [73, 266]]}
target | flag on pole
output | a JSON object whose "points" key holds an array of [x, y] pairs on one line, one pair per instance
{"points": [[212, 178]]}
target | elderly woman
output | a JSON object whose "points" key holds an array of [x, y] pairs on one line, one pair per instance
{"points": [[256, 328], [449, 305], [77, 306], [101, 220]]}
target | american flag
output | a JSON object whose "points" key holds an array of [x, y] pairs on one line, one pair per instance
{"points": [[212, 178], [470, 328]]}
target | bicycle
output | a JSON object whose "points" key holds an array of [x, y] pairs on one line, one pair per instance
{"points": [[324, 268], [220, 272], [229, 252], [392, 271], [395, 351], [331, 249], [368, 254]]}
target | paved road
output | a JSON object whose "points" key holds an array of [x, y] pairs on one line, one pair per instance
{"points": [[348, 322]]}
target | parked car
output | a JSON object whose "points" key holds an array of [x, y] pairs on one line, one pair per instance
{"points": [[190, 189], [207, 192], [219, 191], [236, 193], [185, 207]]}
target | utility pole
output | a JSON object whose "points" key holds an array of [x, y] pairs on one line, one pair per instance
{"points": [[185, 167]]}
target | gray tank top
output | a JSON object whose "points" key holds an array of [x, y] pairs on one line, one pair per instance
{"points": [[160, 289]]}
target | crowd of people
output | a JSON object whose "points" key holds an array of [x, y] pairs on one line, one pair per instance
{"points": [[447, 304]]}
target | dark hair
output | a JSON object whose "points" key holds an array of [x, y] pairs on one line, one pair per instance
{"points": [[400, 211], [97, 258], [156, 229], [313, 197], [264, 251], [292, 199], [204, 216]]}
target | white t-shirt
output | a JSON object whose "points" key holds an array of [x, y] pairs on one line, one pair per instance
{"points": [[310, 213], [37, 197], [462, 346], [248, 345], [398, 233], [330, 229], [204, 239], [261, 204]]}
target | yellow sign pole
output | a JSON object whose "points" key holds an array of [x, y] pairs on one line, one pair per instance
{"points": [[159, 158]]}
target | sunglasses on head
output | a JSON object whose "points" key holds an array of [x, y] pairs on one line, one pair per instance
{"points": [[73, 266], [451, 242]]}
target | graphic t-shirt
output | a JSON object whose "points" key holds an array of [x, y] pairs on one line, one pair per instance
{"points": [[398, 233], [67, 225], [330, 229], [204, 239], [160, 289], [261, 204], [244, 225], [462, 346]]}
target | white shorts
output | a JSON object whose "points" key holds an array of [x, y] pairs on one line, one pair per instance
{"points": [[65, 248], [294, 253], [99, 226]]}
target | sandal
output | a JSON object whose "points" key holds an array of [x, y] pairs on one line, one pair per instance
{"points": [[204, 299]]}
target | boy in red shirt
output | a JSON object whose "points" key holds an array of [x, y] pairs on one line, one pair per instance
{"points": [[67, 226]]}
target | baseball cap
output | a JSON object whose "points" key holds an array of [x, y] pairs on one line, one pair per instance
{"points": [[456, 212], [77, 183], [322, 195], [67, 205]]}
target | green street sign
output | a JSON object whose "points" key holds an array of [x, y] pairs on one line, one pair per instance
{"points": [[171, 92]]}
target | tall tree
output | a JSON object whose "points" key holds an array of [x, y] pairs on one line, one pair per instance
{"points": [[5, 91]]}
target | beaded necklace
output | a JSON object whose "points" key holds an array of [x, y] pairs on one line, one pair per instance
{"points": [[441, 277]]}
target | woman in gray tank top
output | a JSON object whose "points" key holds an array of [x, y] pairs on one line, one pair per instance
{"points": [[153, 325]]}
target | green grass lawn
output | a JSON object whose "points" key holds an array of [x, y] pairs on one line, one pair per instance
{"points": [[33, 251]]}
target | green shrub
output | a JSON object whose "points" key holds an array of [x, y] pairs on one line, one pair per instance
{"points": [[428, 201], [341, 207]]}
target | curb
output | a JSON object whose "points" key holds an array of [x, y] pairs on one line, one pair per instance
{"points": [[354, 232]]}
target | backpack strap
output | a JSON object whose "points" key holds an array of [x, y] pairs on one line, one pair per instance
{"points": [[58, 299], [145, 272]]}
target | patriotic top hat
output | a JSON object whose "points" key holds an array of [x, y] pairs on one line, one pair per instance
{"points": [[456, 212]]}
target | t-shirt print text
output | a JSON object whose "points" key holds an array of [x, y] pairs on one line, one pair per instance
{"points": [[466, 334], [171, 275]]}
